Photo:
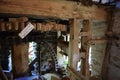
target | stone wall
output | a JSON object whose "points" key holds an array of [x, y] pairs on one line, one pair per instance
{"points": [[114, 63], [98, 50]]}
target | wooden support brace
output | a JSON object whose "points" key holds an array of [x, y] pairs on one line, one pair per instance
{"points": [[98, 41], [12, 19], [83, 55], [83, 34]]}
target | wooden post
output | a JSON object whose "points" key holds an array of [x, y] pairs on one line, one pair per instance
{"points": [[85, 45], [73, 44], [106, 60], [20, 60]]}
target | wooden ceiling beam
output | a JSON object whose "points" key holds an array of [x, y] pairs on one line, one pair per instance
{"points": [[52, 8]]}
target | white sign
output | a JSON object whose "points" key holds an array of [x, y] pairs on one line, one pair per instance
{"points": [[26, 30]]}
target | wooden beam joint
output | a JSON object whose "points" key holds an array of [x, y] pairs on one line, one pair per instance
{"points": [[97, 41], [83, 34]]}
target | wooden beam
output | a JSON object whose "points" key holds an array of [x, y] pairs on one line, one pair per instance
{"points": [[21, 19], [73, 44], [83, 55], [14, 25], [76, 74], [107, 56], [83, 34], [20, 60], [52, 8], [87, 24], [98, 41]]}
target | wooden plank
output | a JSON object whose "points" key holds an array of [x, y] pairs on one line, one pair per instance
{"points": [[52, 8], [15, 25]]}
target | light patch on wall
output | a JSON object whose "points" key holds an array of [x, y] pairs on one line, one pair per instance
{"points": [[32, 51], [95, 0], [118, 4], [102, 1], [90, 57]]}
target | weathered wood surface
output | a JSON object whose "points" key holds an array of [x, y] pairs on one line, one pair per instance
{"points": [[98, 41], [73, 44], [14, 26], [87, 24], [52, 8], [20, 60], [76, 74], [83, 34]]}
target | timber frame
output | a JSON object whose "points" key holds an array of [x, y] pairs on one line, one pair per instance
{"points": [[70, 10]]}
